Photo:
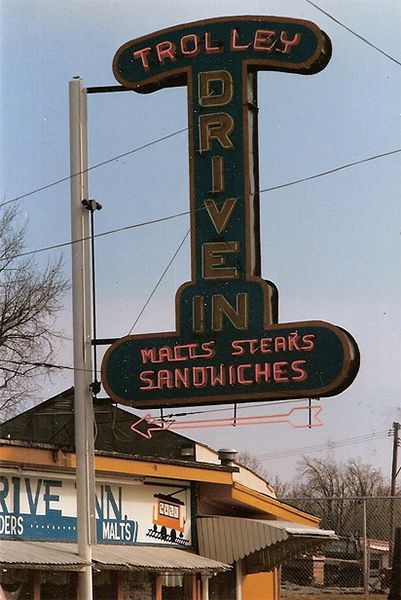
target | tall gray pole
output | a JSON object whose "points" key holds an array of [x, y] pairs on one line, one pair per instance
{"points": [[81, 313]]}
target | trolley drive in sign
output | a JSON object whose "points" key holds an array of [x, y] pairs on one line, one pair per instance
{"points": [[228, 345]]}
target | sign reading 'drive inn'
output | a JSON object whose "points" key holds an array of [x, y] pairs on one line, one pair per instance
{"points": [[228, 345], [43, 507]]}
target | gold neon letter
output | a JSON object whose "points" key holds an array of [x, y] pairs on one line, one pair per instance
{"points": [[208, 96], [238, 315], [220, 218], [214, 264], [216, 126]]}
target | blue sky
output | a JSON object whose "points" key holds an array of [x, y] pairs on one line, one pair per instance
{"points": [[331, 244]]}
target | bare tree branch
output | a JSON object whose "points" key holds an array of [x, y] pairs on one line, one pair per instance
{"points": [[325, 487], [30, 298]]}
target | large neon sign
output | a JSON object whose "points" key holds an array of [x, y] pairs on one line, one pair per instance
{"points": [[228, 345]]}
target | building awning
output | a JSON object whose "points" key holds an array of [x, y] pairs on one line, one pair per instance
{"points": [[64, 556], [40, 555], [228, 539], [154, 558]]}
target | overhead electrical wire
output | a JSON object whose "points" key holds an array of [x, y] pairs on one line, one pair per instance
{"points": [[330, 171], [180, 246], [98, 235], [147, 145], [187, 212], [329, 445], [159, 282], [177, 414], [96, 371], [354, 33], [96, 166], [176, 215], [323, 446]]}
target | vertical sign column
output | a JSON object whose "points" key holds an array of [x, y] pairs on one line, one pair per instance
{"points": [[225, 244]]}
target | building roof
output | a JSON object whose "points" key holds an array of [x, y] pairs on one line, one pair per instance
{"points": [[154, 558], [40, 555], [52, 422], [64, 556], [229, 539]]}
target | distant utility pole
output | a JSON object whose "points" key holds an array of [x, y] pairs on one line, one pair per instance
{"points": [[394, 472], [394, 468]]}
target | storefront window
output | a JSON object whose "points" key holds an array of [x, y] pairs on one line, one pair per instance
{"points": [[16, 584], [104, 587], [176, 587], [58, 585], [137, 586], [222, 586]]}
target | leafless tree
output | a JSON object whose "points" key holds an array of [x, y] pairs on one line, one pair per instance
{"points": [[322, 480], [30, 298], [363, 479], [334, 491], [252, 462]]}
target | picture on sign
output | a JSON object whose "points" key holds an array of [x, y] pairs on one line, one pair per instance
{"points": [[228, 345]]}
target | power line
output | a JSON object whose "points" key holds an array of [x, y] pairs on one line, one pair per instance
{"points": [[325, 446], [319, 447], [177, 251], [104, 233], [159, 282], [187, 212], [330, 171], [147, 145], [354, 33], [96, 166], [170, 415]]}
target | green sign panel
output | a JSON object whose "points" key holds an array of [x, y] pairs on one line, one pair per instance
{"points": [[228, 345]]}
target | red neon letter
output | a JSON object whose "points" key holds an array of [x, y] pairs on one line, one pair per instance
{"points": [[234, 39], [280, 371], [208, 45], [288, 44], [241, 378], [296, 366], [264, 40], [165, 50], [142, 54], [191, 37]]}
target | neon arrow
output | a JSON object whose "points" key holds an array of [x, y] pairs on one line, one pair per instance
{"points": [[292, 417], [160, 425]]}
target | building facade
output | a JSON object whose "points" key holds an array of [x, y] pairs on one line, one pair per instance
{"points": [[174, 519]]}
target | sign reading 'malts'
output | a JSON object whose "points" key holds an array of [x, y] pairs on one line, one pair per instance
{"points": [[228, 345]]}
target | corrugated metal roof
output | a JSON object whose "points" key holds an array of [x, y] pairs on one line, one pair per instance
{"points": [[154, 558], [228, 539], [40, 555], [58, 555]]}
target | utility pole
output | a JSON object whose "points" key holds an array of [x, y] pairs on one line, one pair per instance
{"points": [[81, 313], [394, 472], [394, 468]]}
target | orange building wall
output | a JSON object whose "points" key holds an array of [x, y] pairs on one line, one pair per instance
{"points": [[261, 586]]}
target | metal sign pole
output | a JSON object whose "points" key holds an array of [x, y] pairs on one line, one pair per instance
{"points": [[81, 311]]}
